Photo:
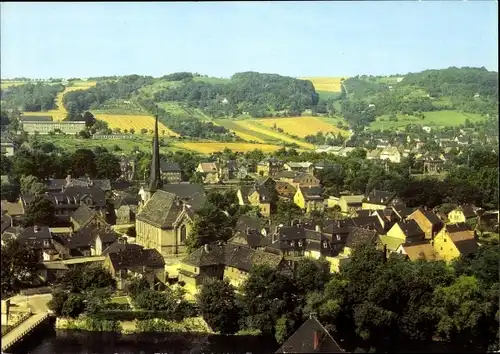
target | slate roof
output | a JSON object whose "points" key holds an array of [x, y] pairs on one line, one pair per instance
{"points": [[136, 257], [468, 211], [312, 193], [293, 164], [252, 237], [83, 215], [59, 183], [231, 255], [245, 221], [192, 194], [105, 234], [28, 118], [302, 340], [161, 210], [379, 197], [363, 213], [35, 237], [410, 228], [124, 198], [432, 217], [358, 235], [79, 239], [402, 210], [119, 246], [169, 166]]}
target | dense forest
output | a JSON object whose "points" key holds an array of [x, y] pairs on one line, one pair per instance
{"points": [[255, 93], [31, 97]]}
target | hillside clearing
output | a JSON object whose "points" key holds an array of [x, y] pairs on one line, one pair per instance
{"points": [[329, 84], [136, 122], [432, 119], [301, 126], [243, 133], [6, 84], [211, 147]]}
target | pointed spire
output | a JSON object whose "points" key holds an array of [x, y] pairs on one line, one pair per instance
{"points": [[154, 173]]}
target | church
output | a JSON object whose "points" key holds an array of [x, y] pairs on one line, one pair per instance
{"points": [[166, 212]]}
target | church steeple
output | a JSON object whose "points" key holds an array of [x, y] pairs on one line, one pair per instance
{"points": [[155, 181]]}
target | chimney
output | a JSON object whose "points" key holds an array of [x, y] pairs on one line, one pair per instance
{"points": [[122, 240], [317, 339], [318, 228], [206, 247]]}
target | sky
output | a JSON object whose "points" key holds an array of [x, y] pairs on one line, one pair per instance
{"points": [[299, 39]]}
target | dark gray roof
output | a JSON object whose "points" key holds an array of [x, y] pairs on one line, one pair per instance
{"points": [[136, 257], [402, 210], [468, 211], [252, 238], [244, 222], [105, 234], [83, 215], [192, 194], [303, 340], [231, 255], [410, 228], [124, 198], [379, 197], [358, 235], [161, 210], [28, 118], [311, 193], [80, 239], [169, 166], [119, 246], [432, 217]]}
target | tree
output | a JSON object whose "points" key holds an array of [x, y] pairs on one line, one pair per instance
{"points": [[83, 163], [89, 119], [87, 279], [39, 211], [31, 185], [19, 265], [73, 306], [311, 275], [56, 304], [286, 212], [107, 166], [217, 303], [267, 295]]}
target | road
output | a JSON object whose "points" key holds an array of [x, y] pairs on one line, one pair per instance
{"points": [[37, 303]]}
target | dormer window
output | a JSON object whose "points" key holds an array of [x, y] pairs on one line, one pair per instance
{"points": [[300, 243], [338, 237], [325, 244]]}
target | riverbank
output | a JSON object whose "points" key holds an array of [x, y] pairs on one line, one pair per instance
{"points": [[84, 323]]}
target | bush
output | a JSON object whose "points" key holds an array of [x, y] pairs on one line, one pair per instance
{"points": [[95, 324], [129, 315]]}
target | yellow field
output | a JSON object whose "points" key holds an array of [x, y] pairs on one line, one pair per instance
{"points": [[5, 84], [261, 129], [137, 122], [208, 148], [301, 126], [330, 84], [60, 112]]}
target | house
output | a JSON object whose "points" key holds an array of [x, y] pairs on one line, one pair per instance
{"points": [[229, 170], [428, 221], [297, 179], [325, 165], [75, 244], [102, 239], [373, 154], [309, 198], [402, 211], [37, 238], [84, 216], [350, 203], [390, 153], [402, 232], [170, 172], [251, 238], [455, 240], [306, 167], [210, 172], [131, 263], [127, 167], [285, 190], [125, 208], [377, 199], [432, 164], [246, 222], [231, 261], [356, 236], [461, 140], [419, 251], [311, 337], [256, 195], [60, 184], [462, 214], [269, 167]]}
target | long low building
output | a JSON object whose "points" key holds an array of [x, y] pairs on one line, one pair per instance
{"points": [[46, 127]]}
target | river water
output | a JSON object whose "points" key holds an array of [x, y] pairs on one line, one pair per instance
{"points": [[50, 341]]}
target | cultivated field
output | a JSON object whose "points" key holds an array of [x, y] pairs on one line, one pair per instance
{"points": [[436, 118], [136, 122], [209, 147], [254, 126], [60, 112], [5, 84], [243, 133], [329, 84], [301, 126]]}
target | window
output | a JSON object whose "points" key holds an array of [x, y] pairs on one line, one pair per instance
{"points": [[195, 270]]}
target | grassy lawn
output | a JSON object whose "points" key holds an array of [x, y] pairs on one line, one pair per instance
{"points": [[436, 119], [302, 126], [325, 95], [120, 300], [489, 237]]}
